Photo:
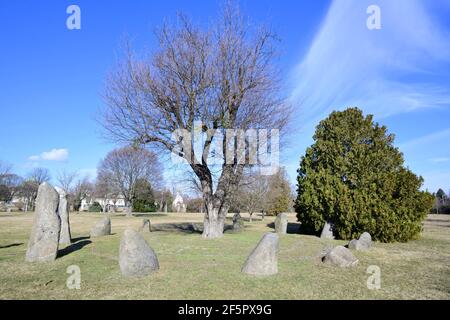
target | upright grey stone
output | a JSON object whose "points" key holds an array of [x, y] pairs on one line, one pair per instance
{"points": [[263, 260], [281, 223], [340, 256], [63, 211], [363, 243], [146, 226], [366, 240], [327, 231], [136, 257], [44, 238], [102, 228], [238, 224]]}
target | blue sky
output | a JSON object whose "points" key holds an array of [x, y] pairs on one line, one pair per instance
{"points": [[51, 77]]}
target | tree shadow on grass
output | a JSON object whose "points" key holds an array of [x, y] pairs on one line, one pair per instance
{"points": [[292, 227], [11, 245], [79, 239], [73, 247], [149, 214], [185, 227]]}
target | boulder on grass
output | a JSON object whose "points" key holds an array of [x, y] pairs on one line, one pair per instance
{"points": [[263, 260], [363, 243], [340, 256], [366, 240], [136, 257], [44, 238], [102, 228]]}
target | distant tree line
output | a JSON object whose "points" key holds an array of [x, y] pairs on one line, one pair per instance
{"points": [[128, 173]]}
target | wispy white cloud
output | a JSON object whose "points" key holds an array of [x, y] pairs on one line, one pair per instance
{"points": [[427, 140], [350, 65], [440, 160], [52, 155]]}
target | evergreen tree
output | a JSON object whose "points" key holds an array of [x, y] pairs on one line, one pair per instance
{"points": [[354, 176]]}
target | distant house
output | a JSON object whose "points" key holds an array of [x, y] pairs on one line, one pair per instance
{"points": [[113, 204], [178, 204]]}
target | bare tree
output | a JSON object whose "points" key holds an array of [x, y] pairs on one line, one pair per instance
{"points": [[224, 77], [104, 189], [39, 175], [124, 167], [5, 169], [9, 186], [66, 180], [253, 193], [82, 190], [29, 187], [28, 190]]}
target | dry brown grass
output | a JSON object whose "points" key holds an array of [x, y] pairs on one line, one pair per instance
{"points": [[193, 268]]}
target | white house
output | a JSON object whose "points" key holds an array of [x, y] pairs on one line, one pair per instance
{"points": [[178, 204], [116, 204]]}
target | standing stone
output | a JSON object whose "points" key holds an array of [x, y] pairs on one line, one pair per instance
{"points": [[146, 226], [238, 224], [63, 211], [102, 228], [366, 240], [327, 231], [136, 257], [281, 223], [263, 260], [340, 256], [44, 238], [363, 243], [128, 211]]}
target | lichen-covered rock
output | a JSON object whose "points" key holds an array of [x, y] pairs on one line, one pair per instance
{"points": [[44, 238], [327, 231], [281, 223], [102, 228], [263, 260], [136, 257], [340, 256], [63, 212], [363, 243]]}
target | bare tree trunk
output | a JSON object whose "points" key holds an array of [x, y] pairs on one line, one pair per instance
{"points": [[128, 208], [214, 221]]}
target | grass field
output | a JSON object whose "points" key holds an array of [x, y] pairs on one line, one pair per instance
{"points": [[194, 268]]}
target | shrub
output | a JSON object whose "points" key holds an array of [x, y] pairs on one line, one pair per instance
{"points": [[140, 205], [95, 207], [354, 176]]}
